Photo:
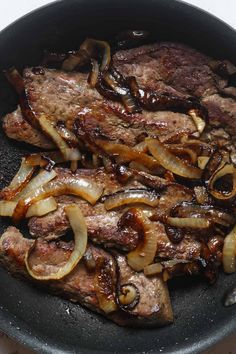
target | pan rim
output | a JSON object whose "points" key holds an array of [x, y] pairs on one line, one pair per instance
{"points": [[8, 324]]}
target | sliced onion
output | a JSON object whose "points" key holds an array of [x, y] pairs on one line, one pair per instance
{"points": [[193, 223], [201, 195], [7, 207], [170, 161], [202, 161], [80, 187], [141, 147], [189, 209], [88, 50], [229, 252], [93, 76], [198, 121], [17, 82], [122, 91], [138, 166], [79, 228], [127, 154], [180, 150], [173, 262], [130, 197], [225, 170], [145, 253], [105, 285], [68, 153], [43, 159], [152, 269], [18, 183], [42, 207], [42, 178], [67, 135], [128, 296]]}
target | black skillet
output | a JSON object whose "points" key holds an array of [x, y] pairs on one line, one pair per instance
{"points": [[47, 323]]}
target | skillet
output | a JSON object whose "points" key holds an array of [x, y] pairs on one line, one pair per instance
{"points": [[49, 324]]}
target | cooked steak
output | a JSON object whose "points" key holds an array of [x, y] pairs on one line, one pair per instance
{"points": [[104, 227], [19, 129], [80, 284], [183, 68], [162, 67], [66, 96]]}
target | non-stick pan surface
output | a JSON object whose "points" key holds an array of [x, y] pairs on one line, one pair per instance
{"points": [[47, 323]]}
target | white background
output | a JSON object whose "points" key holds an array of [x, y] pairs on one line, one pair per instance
{"points": [[10, 10]]}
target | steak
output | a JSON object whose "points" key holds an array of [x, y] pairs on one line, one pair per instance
{"points": [[66, 97], [80, 285], [104, 226], [184, 69], [168, 68]]}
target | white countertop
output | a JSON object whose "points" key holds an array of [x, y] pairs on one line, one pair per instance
{"points": [[10, 10]]}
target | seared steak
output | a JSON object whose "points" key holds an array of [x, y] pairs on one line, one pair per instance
{"points": [[181, 67], [104, 227], [80, 284]]}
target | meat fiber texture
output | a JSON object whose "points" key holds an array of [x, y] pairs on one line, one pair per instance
{"points": [[161, 67]]}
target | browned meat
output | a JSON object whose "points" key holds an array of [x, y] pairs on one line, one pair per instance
{"points": [[80, 284], [177, 65], [222, 113], [162, 67], [149, 288], [104, 227], [67, 96], [18, 128]]}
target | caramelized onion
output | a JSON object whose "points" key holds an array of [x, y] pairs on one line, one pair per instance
{"points": [[225, 170], [19, 181], [121, 89], [198, 121], [145, 253], [42, 178], [68, 153], [202, 161], [152, 269], [93, 76], [130, 197], [105, 285], [88, 50], [79, 228], [66, 134], [229, 252], [193, 223], [170, 161], [215, 162], [80, 187], [47, 160], [17, 82], [201, 195], [180, 150], [128, 296], [189, 209], [7, 207], [127, 154], [42, 207]]}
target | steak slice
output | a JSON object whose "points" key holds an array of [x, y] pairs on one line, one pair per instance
{"points": [[80, 285], [64, 96], [104, 226], [16, 127], [222, 113], [181, 67]]}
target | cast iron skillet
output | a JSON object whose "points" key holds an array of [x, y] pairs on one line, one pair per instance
{"points": [[49, 324]]}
